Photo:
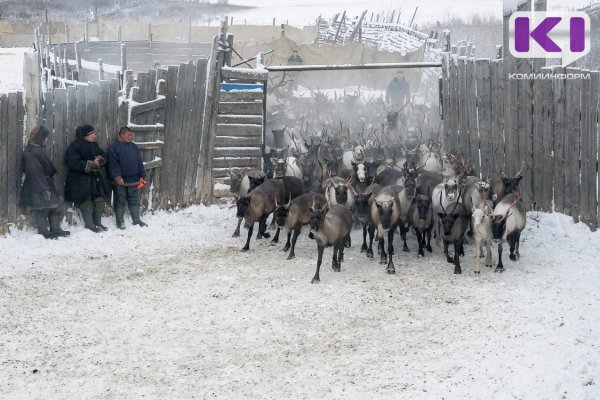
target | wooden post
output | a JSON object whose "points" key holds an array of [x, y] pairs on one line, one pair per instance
{"points": [[190, 31], [123, 57], [572, 145], [337, 32], [101, 70], [229, 51], [150, 33], [119, 33], [87, 31], [66, 32], [77, 56], [560, 132], [65, 64]]}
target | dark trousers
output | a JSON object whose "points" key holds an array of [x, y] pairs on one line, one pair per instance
{"points": [[129, 195], [47, 220]]}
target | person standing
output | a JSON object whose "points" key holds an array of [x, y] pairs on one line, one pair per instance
{"points": [[38, 192], [84, 185], [397, 92], [126, 169]]}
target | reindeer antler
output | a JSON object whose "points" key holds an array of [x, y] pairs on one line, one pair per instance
{"points": [[521, 170]]}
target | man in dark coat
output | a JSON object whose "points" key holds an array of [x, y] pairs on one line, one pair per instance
{"points": [[84, 185], [38, 193], [398, 91], [126, 169]]}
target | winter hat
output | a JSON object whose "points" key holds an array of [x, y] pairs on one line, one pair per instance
{"points": [[84, 130], [38, 135]]}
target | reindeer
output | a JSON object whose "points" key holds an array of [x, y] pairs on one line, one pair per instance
{"points": [[406, 196], [482, 219], [330, 228], [509, 221], [242, 182], [296, 213], [454, 223], [420, 216], [258, 205], [385, 214]]}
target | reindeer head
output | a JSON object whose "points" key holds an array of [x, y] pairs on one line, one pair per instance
{"points": [[281, 212], [242, 204], [423, 206], [317, 215]]}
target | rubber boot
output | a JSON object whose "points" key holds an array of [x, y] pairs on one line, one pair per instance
{"points": [[135, 216], [55, 219], [98, 211], [87, 210], [41, 223]]}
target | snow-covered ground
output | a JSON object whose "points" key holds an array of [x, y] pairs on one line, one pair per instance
{"points": [[11, 68], [176, 311]]}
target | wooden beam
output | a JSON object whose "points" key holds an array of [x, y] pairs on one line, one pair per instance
{"points": [[244, 73], [148, 106]]}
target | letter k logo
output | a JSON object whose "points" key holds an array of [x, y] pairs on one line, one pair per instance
{"points": [[539, 34]]}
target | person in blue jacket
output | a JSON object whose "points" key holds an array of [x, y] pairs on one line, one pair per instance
{"points": [[126, 169], [84, 185]]}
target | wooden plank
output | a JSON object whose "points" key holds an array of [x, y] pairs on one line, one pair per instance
{"points": [[472, 126], [242, 162], [71, 109], [150, 105], [240, 130], [511, 118], [254, 108], [237, 152], [241, 96], [204, 176], [4, 177], [497, 76], [245, 73], [592, 174], [186, 132], [220, 172], [17, 150], [104, 109], [445, 106], [239, 119], [572, 145], [146, 128], [155, 163], [560, 128], [48, 120], [453, 101], [113, 123], [542, 143], [524, 144], [171, 139], [235, 141], [150, 145], [92, 104], [80, 113], [589, 100], [484, 112], [62, 138], [463, 128], [199, 96]]}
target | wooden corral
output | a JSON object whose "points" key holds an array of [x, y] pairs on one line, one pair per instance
{"points": [[499, 117]]}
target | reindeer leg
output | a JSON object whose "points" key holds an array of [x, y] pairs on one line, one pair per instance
{"points": [[457, 246], [512, 240], [276, 237], [477, 269], [236, 233], [335, 262], [340, 258], [348, 241], [364, 247], [448, 258], [247, 246], [381, 245], [420, 240], [296, 234], [390, 267], [287, 243], [371, 236], [403, 232], [499, 267], [428, 247], [316, 278], [262, 228], [488, 256], [517, 241]]}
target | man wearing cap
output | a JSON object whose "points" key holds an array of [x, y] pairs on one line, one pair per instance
{"points": [[84, 185], [38, 193], [126, 169]]}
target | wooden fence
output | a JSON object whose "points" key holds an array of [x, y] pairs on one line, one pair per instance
{"points": [[12, 115], [501, 116]]}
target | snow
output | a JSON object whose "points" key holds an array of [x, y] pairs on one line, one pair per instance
{"points": [[11, 65], [175, 310]]}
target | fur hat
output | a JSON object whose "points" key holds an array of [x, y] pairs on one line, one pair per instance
{"points": [[84, 130], [38, 135]]}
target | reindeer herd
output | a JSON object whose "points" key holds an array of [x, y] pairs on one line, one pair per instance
{"points": [[333, 184]]}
